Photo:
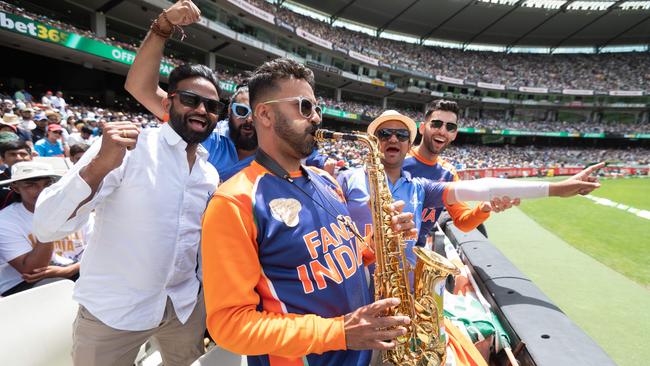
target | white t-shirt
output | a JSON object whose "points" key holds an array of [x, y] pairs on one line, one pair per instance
{"points": [[16, 239], [75, 138]]}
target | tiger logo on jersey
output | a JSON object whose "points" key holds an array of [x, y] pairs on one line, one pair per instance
{"points": [[286, 210]]}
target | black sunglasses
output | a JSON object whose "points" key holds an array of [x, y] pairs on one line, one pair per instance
{"points": [[450, 126], [192, 100], [386, 133]]}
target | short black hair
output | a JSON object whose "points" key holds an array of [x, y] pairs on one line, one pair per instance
{"points": [[265, 77], [442, 105], [13, 145], [78, 148], [86, 129], [187, 71]]}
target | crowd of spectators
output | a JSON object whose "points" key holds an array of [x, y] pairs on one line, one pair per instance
{"points": [[507, 156], [480, 156], [622, 71], [559, 126], [611, 71], [370, 111]]}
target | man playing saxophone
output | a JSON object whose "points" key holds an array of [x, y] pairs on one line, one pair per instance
{"points": [[282, 267]]}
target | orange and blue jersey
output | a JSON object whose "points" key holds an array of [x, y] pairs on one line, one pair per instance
{"points": [[416, 193], [280, 271], [439, 170]]}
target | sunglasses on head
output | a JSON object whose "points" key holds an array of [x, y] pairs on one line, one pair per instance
{"points": [[192, 100], [450, 126], [306, 107], [240, 110], [386, 133]]}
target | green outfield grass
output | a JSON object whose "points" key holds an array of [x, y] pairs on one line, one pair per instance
{"points": [[634, 192], [614, 237], [606, 304]]}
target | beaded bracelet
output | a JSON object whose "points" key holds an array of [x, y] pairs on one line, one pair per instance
{"points": [[155, 28], [174, 26]]}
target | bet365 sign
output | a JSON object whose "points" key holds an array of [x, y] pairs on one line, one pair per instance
{"points": [[34, 29]]}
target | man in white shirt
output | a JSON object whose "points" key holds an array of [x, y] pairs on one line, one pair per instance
{"points": [[46, 100], [84, 136], [59, 103], [23, 261], [140, 276]]}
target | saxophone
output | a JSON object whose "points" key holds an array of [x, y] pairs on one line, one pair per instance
{"points": [[425, 340]]}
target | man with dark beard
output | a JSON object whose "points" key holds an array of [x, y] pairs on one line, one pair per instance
{"points": [[144, 77], [241, 132], [140, 278], [438, 130], [284, 272]]}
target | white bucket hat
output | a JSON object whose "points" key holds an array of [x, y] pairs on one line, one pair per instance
{"points": [[28, 170]]}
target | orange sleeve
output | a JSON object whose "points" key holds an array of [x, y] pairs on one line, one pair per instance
{"points": [[465, 218], [231, 273]]}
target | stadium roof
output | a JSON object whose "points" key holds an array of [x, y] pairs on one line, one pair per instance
{"points": [[542, 23]]}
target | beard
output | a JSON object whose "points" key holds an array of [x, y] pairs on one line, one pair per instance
{"points": [[179, 123], [302, 143], [242, 142], [428, 143]]}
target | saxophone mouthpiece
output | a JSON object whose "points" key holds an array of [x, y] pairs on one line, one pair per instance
{"points": [[322, 134]]}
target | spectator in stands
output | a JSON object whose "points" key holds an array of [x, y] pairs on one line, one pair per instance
{"points": [[23, 260], [84, 136], [40, 131], [11, 151], [77, 152], [7, 106], [46, 100], [59, 103], [52, 145], [11, 122], [27, 118], [438, 130], [23, 96], [142, 82], [241, 132], [139, 278]]}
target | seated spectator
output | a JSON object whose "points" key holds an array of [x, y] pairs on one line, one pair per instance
{"points": [[84, 136], [40, 130], [12, 150], [11, 122], [24, 262], [77, 151], [51, 145], [46, 100], [27, 119]]}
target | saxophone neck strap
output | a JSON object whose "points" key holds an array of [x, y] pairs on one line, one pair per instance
{"points": [[263, 159]]}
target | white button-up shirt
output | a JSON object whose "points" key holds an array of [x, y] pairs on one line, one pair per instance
{"points": [[147, 230]]}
